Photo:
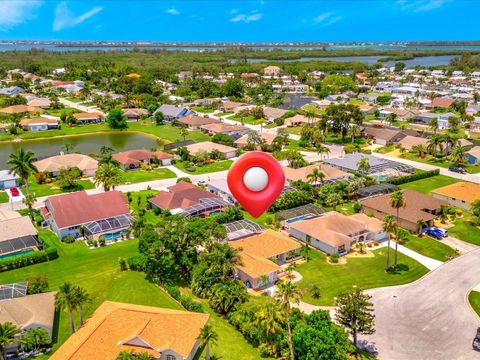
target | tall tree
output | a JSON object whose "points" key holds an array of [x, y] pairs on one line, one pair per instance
{"points": [[389, 225], [316, 176], [183, 132], [475, 209], [208, 337], [108, 176], [7, 337], [21, 163], [68, 178], [29, 200], [355, 312], [363, 165], [116, 119], [66, 299], [397, 201], [287, 293], [83, 298]]}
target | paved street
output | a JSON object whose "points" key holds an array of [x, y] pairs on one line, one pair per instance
{"points": [[430, 318], [463, 247], [80, 107]]}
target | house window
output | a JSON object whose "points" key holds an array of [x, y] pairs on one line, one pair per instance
{"points": [[171, 357]]}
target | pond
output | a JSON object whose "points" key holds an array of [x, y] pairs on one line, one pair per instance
{"points": [[84, 144]]}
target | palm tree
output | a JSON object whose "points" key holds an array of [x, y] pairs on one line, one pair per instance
{"points": [[270, 318], [67, 147], [421, 225], [66, 299], [457, 154], [107, 175], [433, 125], [22, 164], [353, 132], [311, 114], [397, 201], [286, 294], [83, 298], [475, 209], [183, 132], [7, 337], [389, 224], [363, 165], [315, 176], [420, 149], [29, 200], [321, 149], [208, 337]]}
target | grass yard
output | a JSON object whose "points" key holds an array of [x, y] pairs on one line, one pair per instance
{"points": [[203, 109], [247, 120], [430, 247], [296, 130], [474, 299], [53, 189], [140, 201], [445, 163], [429, 184], [261, 220], [136, 176], [366, 273], [3, 197], [205, 169], [465, 231]]}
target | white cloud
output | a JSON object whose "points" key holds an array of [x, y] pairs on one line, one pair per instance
{"points": [[421, 5], [246, 18], [322, 17], [327, 19], [172, 11], [64, 18], [13, 13]]}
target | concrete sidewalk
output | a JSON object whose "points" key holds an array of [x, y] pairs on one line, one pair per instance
{"points": [[429, 263]]}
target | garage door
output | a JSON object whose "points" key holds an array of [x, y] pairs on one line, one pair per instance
{"points": [[9, 184]]}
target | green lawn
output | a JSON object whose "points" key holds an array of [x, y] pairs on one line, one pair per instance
{"points": [[261, 220], [429, 184], [474, 299], [366, 273], [247, 120], [203, 109], [140, 201], [444, 162], [3, 197], [53, 188], [296, 130], [430, 247], [465, 231], [205, 169], [136, 176]]}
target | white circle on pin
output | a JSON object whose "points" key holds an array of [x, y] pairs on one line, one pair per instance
{"points": [[255, 179]]}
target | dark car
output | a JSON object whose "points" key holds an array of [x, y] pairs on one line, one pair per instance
{"points": [[476, 341], [457, 169]]}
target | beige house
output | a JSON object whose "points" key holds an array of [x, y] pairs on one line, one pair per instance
{"points": [[409, 142], [331, 174], [52, 165], [460, 194], [227, 152], [243, 141], [17, 234], [298, 120]]}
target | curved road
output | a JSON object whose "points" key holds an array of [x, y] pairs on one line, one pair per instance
{"points": [[430, 318]]}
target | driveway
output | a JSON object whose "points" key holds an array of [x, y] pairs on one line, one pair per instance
{"points": [[462, 247], [80, 107], [430, 318]]}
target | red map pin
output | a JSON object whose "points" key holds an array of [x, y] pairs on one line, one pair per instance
{"points": [[256, 180]]}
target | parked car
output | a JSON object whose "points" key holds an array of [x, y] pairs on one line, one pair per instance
{"points": [[14, 192], [457, 169], [435, 233], [476, 341], [202, 182]]}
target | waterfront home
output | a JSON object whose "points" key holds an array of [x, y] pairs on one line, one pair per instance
{"points": [[17, 235], [418, 207], [39, 102], [134, 114], [8, 180], [194, 122], [235, 131], [262, 256], [27, 312], [225, 151], [3, 127], [132, 159], [163, 334], [460, 194], [38, 124], [52, 165], [188, 199], [335, 233], [172, 112], [88, 118], [331, 174], [90, 216]]}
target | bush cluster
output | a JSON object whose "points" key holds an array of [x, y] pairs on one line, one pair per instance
{"points": [[28, 259], [413, 177]]}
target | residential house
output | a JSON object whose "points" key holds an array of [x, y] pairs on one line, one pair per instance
{"points": [[335, 233], [418, 207], [299, 120], [8, 180], [87, 118], [227, 152], [28, 312], [12, 90], [132, 159], [461, 194], [38, 124], [220, 188], [473, 155], [20, 109], [472, 110], [134, 114], [235, 131], [409, 142], [18, 235], [232, 106], [262, 256], [301, 174], [272, 113], [193, 122], [266, 137], [442, 103], [42, 103], [338, 98], [383, 136], [164, 334], [272, 71], [188, 199], [90, 216], [52, 165], [442, 118], [172, 112], [3, 128]]}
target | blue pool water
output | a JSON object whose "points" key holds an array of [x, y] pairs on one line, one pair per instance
{"points": [[303, 217], [15, 254], [380, 177], [112, 236]]}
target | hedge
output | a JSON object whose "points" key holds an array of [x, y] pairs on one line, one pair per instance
{"points": [[413, 177], [28, 259]]}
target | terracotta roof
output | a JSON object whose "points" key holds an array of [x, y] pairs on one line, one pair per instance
{"points": [[40, 102], [18, 109], [230, 105], [37, 121], [442, 102], [196, 120], [221, 127], [271, 112], [116, 327], [298, 119], [373, 224], [15, 228], [268, 138], [408, 142], [180, 196], [330, 172], [466, 191], [137, 156], [413, 211], [80, 208], [136, 112], [55, 163], [209, 147], [93, 115], [332, 228]]}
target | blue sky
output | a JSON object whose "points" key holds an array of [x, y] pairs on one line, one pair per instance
{"points": [[261, 20]]}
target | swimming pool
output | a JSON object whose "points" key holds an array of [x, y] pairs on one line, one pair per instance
{"points": [[300, 218], [380, 177], [15, 254]]}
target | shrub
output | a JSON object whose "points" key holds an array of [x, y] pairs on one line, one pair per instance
{"points": [[68, 239], [413, 177], [357, 207], [191, 305], [37, 284], [28, 259], [41, 177], [101, 241], [122, 263], [191, 169], [334, 258], [173, 291], [136, 263]]}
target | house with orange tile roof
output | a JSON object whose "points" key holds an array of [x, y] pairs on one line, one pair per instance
{"points": [[114, 327], [131, 159], [226, 151], [19, 109], [335, 233], [460, 194], [262, 256], [235, 131], [52, 165], [38, 124], [87, 118], [331, 174]]}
